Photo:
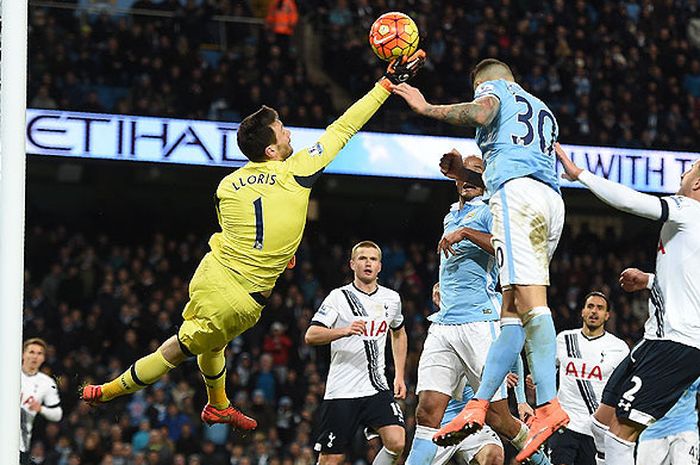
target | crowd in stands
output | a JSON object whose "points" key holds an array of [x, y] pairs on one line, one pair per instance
{"points": [[165, 66], [616, 72], [102, 301]]}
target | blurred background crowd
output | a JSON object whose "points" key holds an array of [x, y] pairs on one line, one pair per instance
{"points": [[616, 72], [102, 301]]}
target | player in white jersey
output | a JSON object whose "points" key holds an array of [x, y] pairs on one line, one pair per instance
{"points": [[515, 132], [673, 440], [39, 394], [649, 382], [586, 358], [355, 319]]}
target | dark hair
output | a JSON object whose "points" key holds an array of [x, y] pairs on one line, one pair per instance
{"points": [[487, 63], [255, 134], [598, 294]]}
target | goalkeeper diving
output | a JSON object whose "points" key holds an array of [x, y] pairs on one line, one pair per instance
{"points": [[261, 209]]}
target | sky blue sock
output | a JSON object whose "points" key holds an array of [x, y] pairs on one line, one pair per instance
{"points": [[519, 369], [423, 449], [541, 350], [503, 354], [538, 458]]}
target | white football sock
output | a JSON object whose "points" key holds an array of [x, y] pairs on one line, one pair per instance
{"points": [[598, 429], [519, 440], [385, 457]]}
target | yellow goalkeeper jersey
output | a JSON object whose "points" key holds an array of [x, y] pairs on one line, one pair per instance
{"points": [[262, 206]]}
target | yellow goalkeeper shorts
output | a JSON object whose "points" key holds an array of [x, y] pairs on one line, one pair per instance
{"points": [[219, 308]]}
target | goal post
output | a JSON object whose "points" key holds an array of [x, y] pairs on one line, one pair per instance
{"points": [[13, 105]]}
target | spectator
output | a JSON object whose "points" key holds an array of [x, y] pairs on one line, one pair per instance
{"points": [[211, 456], [175, 420], [43, 99], [282, 18], [187, 444], [262, 410], [278, 345], [159, 447], [265, 382], [691, 81]]}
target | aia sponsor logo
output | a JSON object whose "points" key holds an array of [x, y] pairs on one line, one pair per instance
{"points": [[584, 371], [374, 329]]}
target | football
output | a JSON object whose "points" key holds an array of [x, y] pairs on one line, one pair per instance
{"points": [[392, 35]]}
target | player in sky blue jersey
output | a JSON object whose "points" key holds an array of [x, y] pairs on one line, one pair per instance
{"points": [[463, 329], [468, 272], [516, 133], [674, 438]]}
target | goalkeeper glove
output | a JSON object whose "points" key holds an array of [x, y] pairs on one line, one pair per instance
{"points": [[402, 69]]}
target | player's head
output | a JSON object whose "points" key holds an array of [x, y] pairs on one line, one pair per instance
{"points": [[596, 310], [262, 136], [467, 190], [33, 354], [690, 181], [490, 69], [366, 261], [436, 295]]}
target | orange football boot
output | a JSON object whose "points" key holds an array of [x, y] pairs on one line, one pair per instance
{"points": [[91, 394], [549, 419], [470, 420], [230, 415]]}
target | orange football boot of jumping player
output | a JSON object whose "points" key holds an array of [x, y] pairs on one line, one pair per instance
{"points": [[91, 394], [470, 420], [549, 419]]}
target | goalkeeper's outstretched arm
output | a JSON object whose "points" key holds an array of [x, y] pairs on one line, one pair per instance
{"points": [[312, 160]]}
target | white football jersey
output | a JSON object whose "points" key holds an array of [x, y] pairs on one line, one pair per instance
{"points": [[38, 387], [584, 367], [357, 362], [674, 304]]}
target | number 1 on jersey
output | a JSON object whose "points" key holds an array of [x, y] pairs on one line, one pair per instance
{"points": [[257, 203]]}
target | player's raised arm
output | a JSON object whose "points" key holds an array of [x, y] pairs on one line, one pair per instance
{"points": [[452, 166], [479, 112], [614, 194], [310, 161]]}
